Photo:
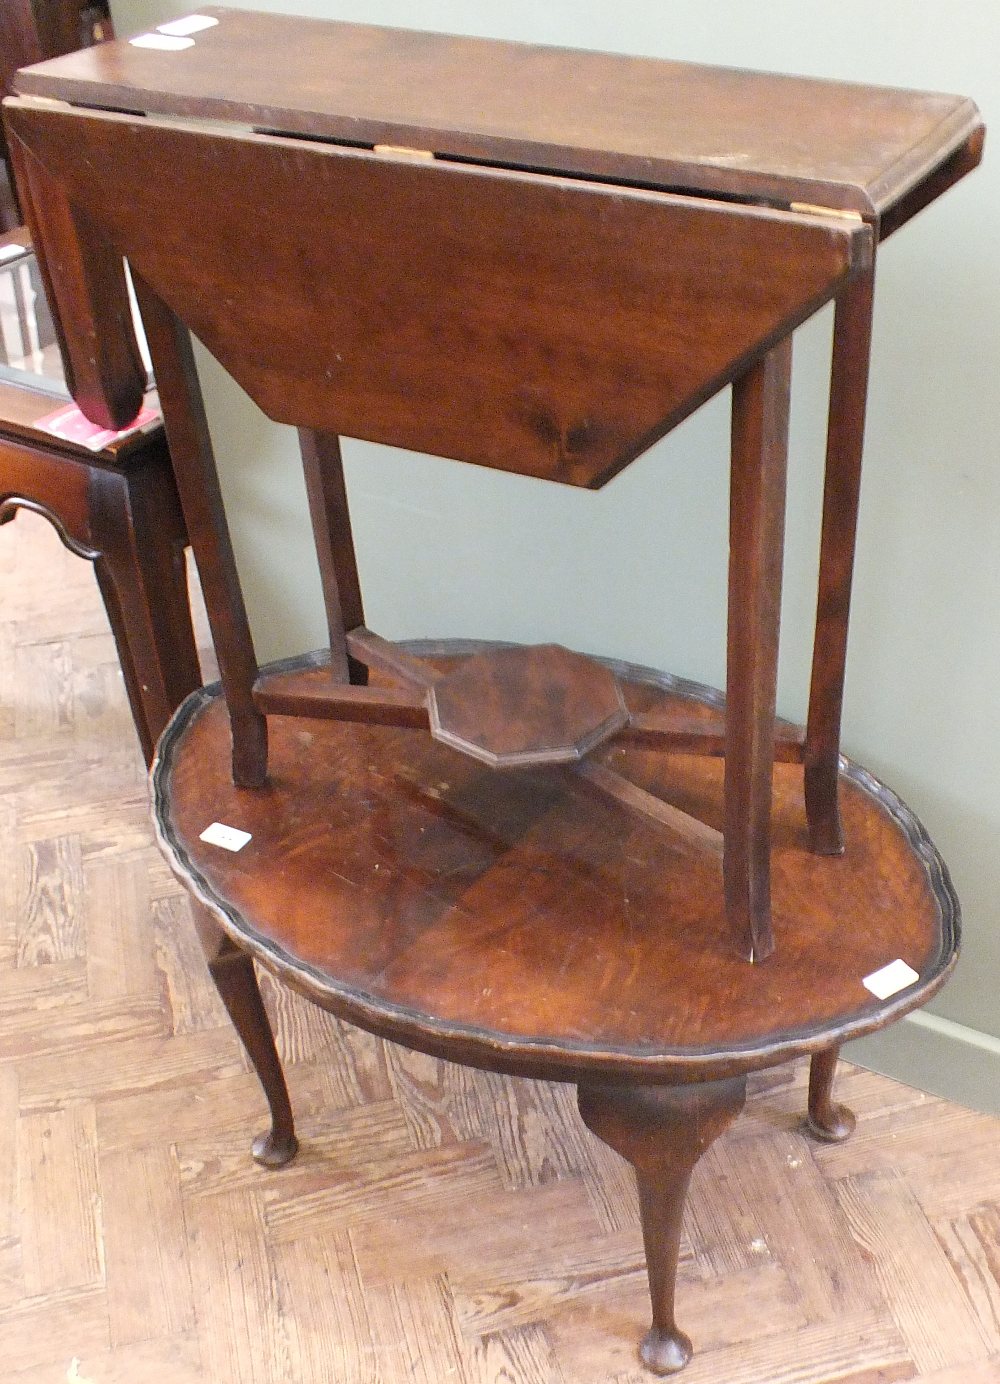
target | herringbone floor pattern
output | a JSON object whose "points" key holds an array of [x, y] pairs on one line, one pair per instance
{"points": [[439, 1226]]}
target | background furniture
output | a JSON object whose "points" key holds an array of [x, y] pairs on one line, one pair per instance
{"points": [[282, 350], [31, 30], [117, 507]]}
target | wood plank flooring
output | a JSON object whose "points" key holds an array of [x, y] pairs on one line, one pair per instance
{"points": [[439, 1226]]}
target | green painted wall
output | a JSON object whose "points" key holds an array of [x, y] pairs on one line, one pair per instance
{"points": [[638, 570]]}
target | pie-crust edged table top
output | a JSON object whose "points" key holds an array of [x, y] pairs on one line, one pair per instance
{"points": [[418, 892]]}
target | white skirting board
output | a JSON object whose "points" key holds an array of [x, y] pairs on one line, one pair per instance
{"points": [[937, 1055]]}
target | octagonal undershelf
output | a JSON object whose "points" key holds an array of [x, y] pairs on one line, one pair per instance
{"points": [[537, 705]]}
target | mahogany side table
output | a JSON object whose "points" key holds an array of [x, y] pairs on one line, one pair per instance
{"points": [[540, 261], [116, 507]]}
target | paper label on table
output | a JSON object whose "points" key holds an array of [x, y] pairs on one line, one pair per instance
{"points": [[166, 42], [890, 979], [73, 426], [229, 838], [192, 24]]}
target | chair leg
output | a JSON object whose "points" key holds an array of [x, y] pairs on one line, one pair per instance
{"points": [[827, 1120], [136, 522], [233, 972], [662, 1131], [154, 683]]}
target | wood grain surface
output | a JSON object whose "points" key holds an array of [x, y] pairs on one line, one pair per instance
{"points": [[536, 324], [480, 1233], [514, 920], [678, 125]]}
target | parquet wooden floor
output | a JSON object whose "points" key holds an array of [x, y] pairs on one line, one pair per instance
{"points": [[439, 1226]]}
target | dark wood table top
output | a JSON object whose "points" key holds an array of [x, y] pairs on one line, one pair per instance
{"points": [[519, 921], [668, 124]]}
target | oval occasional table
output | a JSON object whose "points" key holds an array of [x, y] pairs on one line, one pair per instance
{"points": [[523, 922]]}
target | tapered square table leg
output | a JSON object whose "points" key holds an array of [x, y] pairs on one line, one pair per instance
{"points": [[842, 489], [756, 543]]}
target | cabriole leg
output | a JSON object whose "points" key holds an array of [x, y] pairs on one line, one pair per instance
{"points": [[236, 981], [662, 1131], [826, 1119]]}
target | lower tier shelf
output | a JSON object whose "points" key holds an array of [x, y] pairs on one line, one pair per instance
{"points": [[516, 920]]}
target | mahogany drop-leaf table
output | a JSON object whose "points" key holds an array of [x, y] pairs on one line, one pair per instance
{"points": [[540, 261]]}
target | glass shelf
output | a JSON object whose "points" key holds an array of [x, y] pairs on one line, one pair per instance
{"points": [[29, 351], [29, 354]]}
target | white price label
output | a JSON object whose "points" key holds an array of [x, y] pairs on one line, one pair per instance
{"points": [[193, 24], [890, 979], [166, 43], [229, 838]]}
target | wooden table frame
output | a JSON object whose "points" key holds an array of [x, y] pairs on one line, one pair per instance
{"points": [[345, 136], [942, 140]]}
